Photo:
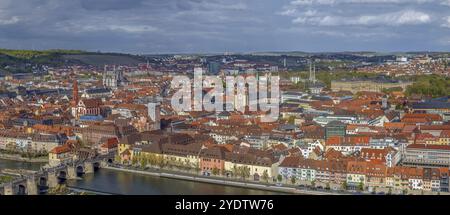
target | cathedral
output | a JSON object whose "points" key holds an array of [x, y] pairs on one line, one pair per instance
{"points": [[113, 78]]}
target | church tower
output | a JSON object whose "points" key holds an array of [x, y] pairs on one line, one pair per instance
{"points": [[75, 97]]}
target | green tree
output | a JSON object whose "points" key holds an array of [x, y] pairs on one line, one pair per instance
{"points": [[405, 191], [293, 180], [313, 183], [327, 186], [279, 178], [344, 185], [235, 171], [160, 161], [134, 160], [188, 165], [429, 85], [215, 171], [117, 158], [291, 120], [265, 176], [151, 159], [245, 171], [144, 161], [361, 186]]}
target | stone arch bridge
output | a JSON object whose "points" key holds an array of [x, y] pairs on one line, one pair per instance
{"points": [[33, 184]]}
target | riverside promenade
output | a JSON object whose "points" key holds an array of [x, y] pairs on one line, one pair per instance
{"points": [[286, 189], [15, 157]]}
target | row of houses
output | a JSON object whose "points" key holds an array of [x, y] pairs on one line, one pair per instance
{"points": [[202, 154], [360, 173], [18, 141]]}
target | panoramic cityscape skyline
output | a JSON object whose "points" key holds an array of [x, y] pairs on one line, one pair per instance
{"points": [[193, 26], [224, 97]]}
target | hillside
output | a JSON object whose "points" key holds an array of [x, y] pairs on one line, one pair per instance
{"points": [[102, 59], [23, 61]]}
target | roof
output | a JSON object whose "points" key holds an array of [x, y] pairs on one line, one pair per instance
{"points": [[92, 103], [335, 123], [432, 117], [110, 143], [98, 90], [428, 147], [291, 162], [431, 105], [61, 149]]}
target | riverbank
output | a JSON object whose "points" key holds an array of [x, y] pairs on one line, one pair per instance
{"points": [[13, 157], [241, 184]]}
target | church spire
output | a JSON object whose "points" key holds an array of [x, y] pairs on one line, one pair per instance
{"points": [[75, 97]]}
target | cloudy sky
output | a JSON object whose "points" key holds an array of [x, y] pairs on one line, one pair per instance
{"points": [[186, 26]]}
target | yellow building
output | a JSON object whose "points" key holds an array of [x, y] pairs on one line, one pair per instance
{"points": [[355, 86], [257, 169]]}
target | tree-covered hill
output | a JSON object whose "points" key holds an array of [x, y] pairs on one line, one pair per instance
{"points": [[22, 61]]}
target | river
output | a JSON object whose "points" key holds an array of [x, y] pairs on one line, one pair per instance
{"points": [[111, 181]]}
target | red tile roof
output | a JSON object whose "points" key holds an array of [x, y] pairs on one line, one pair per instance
{"points": [[61, 149], [428, 146]]}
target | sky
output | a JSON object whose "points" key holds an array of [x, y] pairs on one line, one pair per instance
{"points": [[217, 26]]}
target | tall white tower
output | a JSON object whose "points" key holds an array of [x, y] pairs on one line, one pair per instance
{"points": [[154, 114], [312, 72]]}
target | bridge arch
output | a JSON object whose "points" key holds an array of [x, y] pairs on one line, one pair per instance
{"points": [[21, 189], [96, 165], [110, 160], [43, 181], [61, 176], [80, 170]]}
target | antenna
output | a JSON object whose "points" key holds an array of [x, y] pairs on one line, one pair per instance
{"points": [[312, 72]]}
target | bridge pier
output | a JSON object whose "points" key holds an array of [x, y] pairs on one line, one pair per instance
{"points": [[52, 180], [88, 167], [8, 189], [103, 164], [31, 186], [71, 172]]}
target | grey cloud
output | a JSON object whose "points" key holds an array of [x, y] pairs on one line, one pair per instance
{"points": [[152, 26]]}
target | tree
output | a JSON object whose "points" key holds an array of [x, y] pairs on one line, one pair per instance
{"points": [[405, 191], [134, 160], [245, 171], [215, 171], [429, 85], [374, 190], [344, 185], [117, 158], [279, 178], [291, 120], [144, 161], [265, 176], [293, 180], [390, 191], [313, 183], [160, 161], [327, 186], [151, 159], [235, 171], [361, 186], [187, 164], [197, 167]]}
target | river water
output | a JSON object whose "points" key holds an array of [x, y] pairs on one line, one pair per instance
{"points": [[111, 181]]}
